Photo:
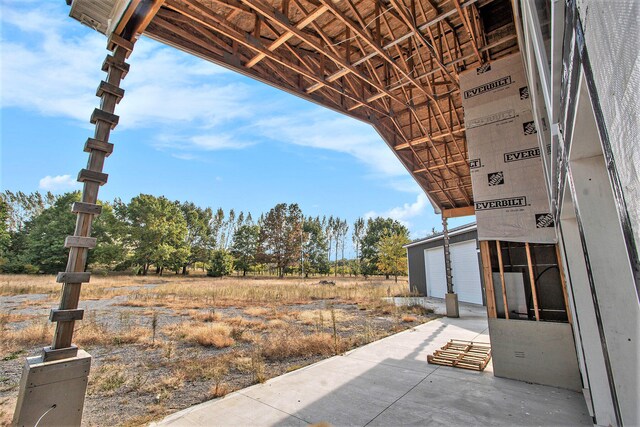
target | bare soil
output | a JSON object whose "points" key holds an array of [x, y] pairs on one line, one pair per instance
{"points": [[160, 345]]}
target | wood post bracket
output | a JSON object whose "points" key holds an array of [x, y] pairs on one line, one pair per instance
{"points": [[92, 177], [97, 145], [104, 116], [109, 88], [73, 277]]}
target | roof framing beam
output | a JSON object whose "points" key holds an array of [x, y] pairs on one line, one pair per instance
{"points": [[391, 63]]}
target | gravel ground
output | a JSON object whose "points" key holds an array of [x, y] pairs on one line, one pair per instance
{"points": [[135, 383]]}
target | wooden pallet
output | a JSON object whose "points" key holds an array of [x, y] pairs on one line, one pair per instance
{"points": [[462, 354]]}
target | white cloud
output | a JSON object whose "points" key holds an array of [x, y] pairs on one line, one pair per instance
{"points": [[56, 73], [53, 78], [172, 93], [219, 142], [326, 130], [178, 94], [210, 142], [405, 212], [405, 185], [58, 183], [184, 156]]}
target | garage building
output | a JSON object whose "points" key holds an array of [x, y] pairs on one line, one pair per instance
{"points": [[427, 266]]}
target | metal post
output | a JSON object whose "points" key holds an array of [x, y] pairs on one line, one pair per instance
{"points": [[447, 256], [451, 298]]}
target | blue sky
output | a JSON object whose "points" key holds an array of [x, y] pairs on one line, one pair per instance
{"points": [[189, 130]]}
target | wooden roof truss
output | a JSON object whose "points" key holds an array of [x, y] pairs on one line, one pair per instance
{"points": [[391, 63]]}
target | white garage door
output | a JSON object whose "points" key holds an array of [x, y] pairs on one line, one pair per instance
{"points": [[466, 272], [434, 265]]}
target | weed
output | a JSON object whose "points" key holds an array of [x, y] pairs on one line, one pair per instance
{"points": [[12, 356], [208, 316], [295, 367], [125, 319], [417, 309], [281, 345], [218, 390], [154, 326], [257, 367], [107, 379], [242, 364], [208, 335], [335, 330], [154, 412], [32, 335], [138, 382]]}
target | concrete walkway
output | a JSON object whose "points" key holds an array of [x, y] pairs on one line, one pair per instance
{"points": [[390, 383]]}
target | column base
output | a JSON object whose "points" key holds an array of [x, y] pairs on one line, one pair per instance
{"points": [[451, 301], [52, 393]]}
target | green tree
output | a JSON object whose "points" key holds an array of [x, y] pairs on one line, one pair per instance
{"points": [[220, 264], [157, 231], [376, 229], [245, 247], [22, 207], [280, 236], [228, 229], [329, 227], [5, 235], [46, 232], [392, 257], [216, 227], [343, 229], [315, 248], [356, 237], [199, 237], [336, 227], [110, 251]]}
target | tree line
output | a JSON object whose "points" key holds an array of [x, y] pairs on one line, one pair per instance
{"points": [[155, 234]]}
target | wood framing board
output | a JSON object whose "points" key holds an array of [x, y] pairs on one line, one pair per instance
{"points": [[532, 282], [488, 279], [502, 284], [462, 354], [564, 283]]}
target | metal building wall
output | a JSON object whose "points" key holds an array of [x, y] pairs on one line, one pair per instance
{"points": [[415, 256]]}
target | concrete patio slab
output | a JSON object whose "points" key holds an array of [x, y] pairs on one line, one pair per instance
{"points": [[389, 383]]}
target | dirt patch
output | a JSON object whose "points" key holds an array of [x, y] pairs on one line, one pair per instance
{"points": [[161, 347]]}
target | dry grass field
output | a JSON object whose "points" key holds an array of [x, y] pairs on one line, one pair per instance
{"points": [[161, 344]]}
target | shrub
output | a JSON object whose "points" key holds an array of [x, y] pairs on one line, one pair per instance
{"points": [[220, 264]]}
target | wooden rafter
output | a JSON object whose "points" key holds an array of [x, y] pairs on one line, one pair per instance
{"points": [[393, 64]]}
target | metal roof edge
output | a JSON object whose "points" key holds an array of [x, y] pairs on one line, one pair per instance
{"points": [[453, 232]]}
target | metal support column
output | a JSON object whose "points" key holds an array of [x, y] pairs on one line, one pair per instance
{"points": [[451, 298]]}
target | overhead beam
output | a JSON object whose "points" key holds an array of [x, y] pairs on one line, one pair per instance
{"points": [[354, 58], [441, 166], [149, 9], [453, 133], [211, 20], [458, 212], [284, 23], [404, 37], [286, 36]]}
